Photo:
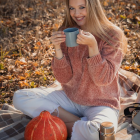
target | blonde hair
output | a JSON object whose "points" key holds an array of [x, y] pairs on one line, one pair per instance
{"points": [[98, 24]]}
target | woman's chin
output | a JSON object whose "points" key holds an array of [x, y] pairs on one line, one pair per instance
{"points": [[81, 26]]}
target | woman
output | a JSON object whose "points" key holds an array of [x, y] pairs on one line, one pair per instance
{"points": [[88, 73]]}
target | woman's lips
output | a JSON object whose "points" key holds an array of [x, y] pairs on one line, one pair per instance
{"points": [[80, 18]]}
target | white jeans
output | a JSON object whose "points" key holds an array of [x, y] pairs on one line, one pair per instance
{"points": [[32, 101]]}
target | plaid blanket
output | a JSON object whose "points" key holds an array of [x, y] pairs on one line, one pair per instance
{"points": [[13, 122]]}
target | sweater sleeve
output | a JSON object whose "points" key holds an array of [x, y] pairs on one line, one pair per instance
{"points": [[62, 68], [104, 66]]}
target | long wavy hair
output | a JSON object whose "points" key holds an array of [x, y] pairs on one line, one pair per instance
{"points": [[98, 24]]}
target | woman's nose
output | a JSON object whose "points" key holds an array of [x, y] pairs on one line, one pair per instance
{"points": [[77, 13]]}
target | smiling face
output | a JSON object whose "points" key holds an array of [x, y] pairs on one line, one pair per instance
{"points": [[78, 12]]}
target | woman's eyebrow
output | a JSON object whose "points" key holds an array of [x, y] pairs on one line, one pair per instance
{"points": [[78, 5], [82, 5]]}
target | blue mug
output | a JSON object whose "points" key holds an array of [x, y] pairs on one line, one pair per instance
{"points": [[71, 36]]}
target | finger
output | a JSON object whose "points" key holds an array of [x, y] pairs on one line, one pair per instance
{"points": [[86, 33], [80, 32], [53, 39], [58, 42], [79, 41], [57, 32], [58, 39], [80, 36], [58, 36]]}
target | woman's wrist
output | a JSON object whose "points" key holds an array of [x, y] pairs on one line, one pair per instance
{"points": [[57, 46], [58, 52], [58, 49], [93, 50]]}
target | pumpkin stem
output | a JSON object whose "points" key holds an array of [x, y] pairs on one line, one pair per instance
{"points": [[45, 114]]}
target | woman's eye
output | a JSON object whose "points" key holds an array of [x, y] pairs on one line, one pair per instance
{"points": [[82, 7], [71, 8]]}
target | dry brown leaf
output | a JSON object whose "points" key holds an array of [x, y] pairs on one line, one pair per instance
{"points": [[36, 47], [21, 77], [35, 64], [105, 3], [38, 73], [23, 84], [38, 43], [30, 9], [126, 30], [126, 67], [27, 75], [20, 62]]}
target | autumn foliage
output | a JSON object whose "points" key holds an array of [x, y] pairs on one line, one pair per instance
{"points": [[25, 48]]}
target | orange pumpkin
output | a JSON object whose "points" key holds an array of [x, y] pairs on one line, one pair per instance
{"points": [[45, 127]]}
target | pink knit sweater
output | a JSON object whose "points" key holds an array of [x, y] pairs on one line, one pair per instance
{"points": [[90, 81]]}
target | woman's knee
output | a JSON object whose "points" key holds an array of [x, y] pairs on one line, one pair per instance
{"points": [[84, 130], [23, 96], [16, 99], [20, 97]]}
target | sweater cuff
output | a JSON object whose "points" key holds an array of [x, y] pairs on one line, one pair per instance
{"points": [[94, 60], [60, 63]]}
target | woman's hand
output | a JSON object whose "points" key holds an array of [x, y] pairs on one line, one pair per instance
{"points": [[86, 38], [57, 38]]}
